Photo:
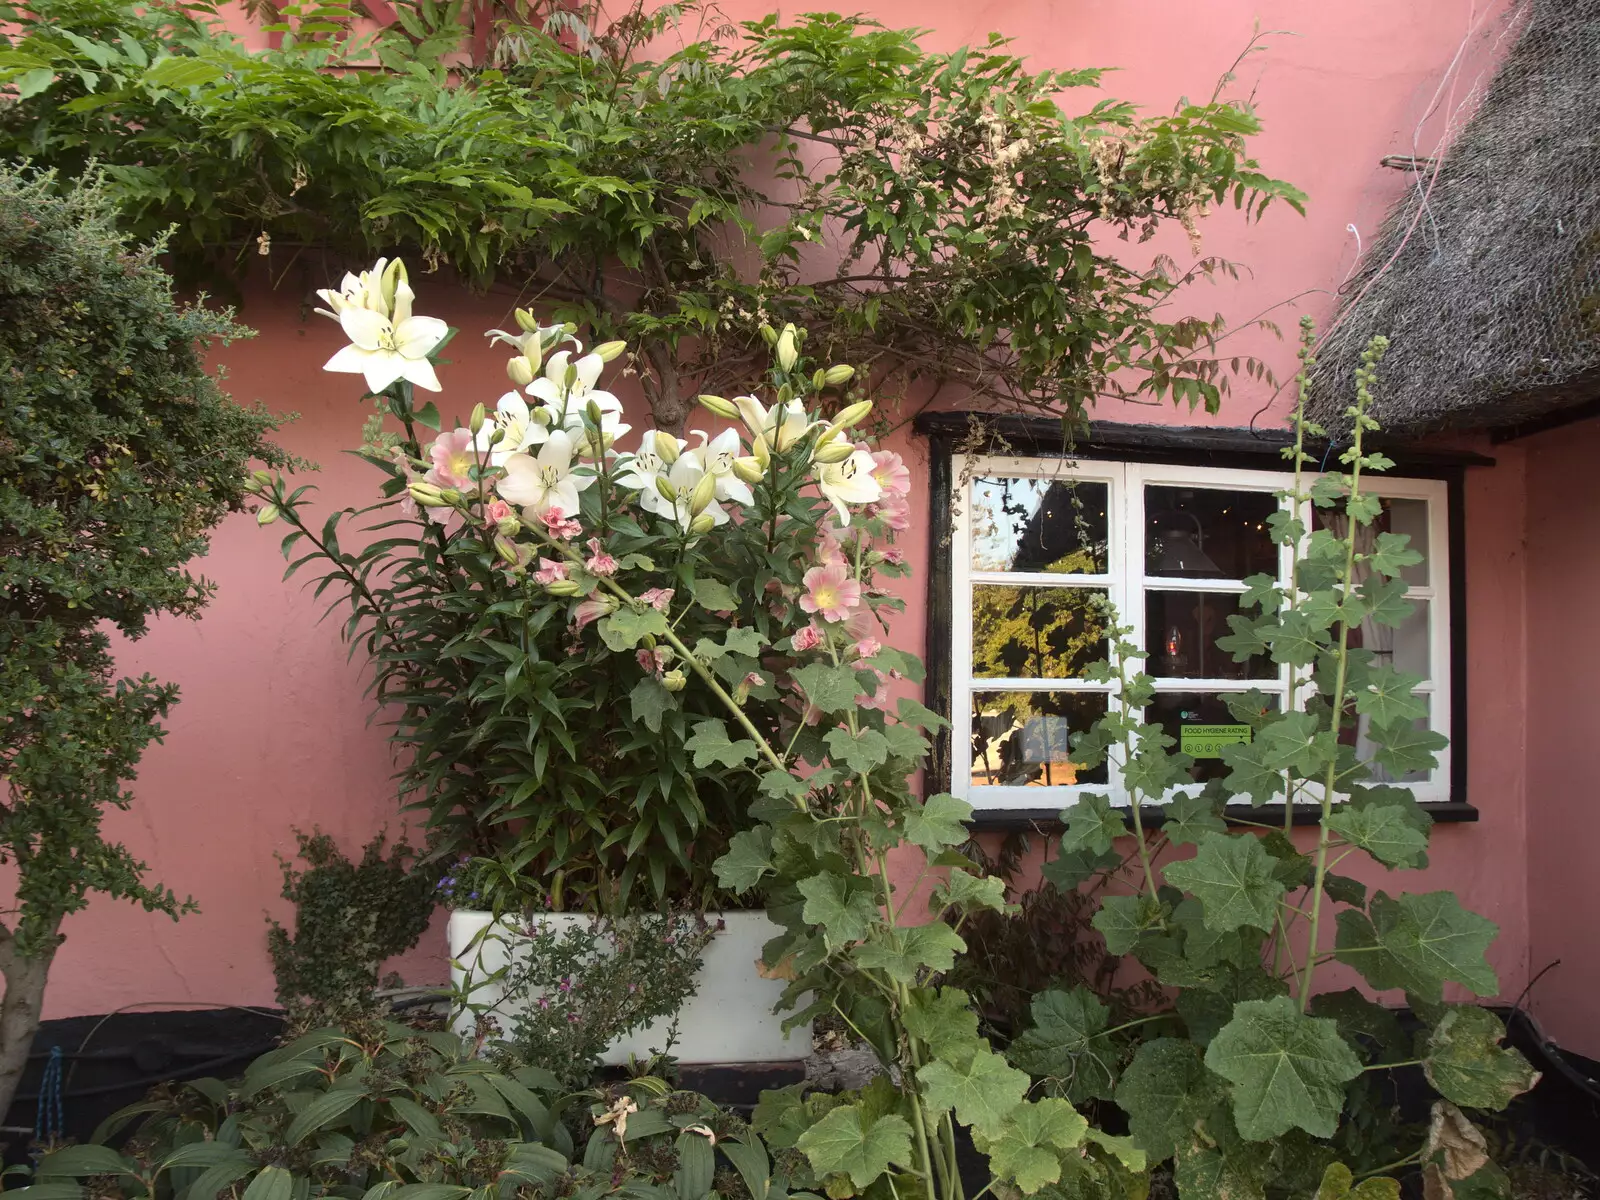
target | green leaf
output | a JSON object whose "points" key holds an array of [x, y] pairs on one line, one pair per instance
{"points": [[1385, 831], [983, 1090], [944, 1020], [1203, 1173], [1027, 1151], [1388, 696], [841, 905], [841, 1144], [1189, 818], [940, 821], [649, 701], [1122, 919], [1403, 748], [1092, 825], [1288, 1069], [904, 952], [748, 859], [1466, 1063], [913, 712], [428, 415], [1392, 554], [697, 1165], [714, 595], [831, 689], [970, 893], [1068, 871], [1358, 1017], [710, 744], [859, 752], [1067, 1043], [273, 1183], [627, 627], [1234, 878], [318, 1115], [84, 1160], [1418, 942], [1165, 1091], [1122, 1148]]}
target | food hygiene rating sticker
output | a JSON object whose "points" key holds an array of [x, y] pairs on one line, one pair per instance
{"points": [[1207, 741]]}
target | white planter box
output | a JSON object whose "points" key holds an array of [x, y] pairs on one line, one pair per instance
{"points": [[729, 1019]]}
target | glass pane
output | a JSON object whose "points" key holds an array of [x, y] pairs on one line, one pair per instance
{"points": [[1365, 749], [1036, 632], [1181, 632], [1201, 725], [1409, 517], [1405, 647], [1208, 533], [1054, 525], [1020, 739]]}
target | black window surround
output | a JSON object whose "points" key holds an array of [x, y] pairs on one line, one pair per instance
{"points": [[966, 432]]}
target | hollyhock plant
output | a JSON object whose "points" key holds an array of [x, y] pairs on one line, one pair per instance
{"points": [[830, 592]]}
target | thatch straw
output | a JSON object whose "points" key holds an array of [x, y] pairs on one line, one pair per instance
{"points": [[1492, 307]]}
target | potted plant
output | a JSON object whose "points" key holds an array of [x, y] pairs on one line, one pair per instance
{"points": [[545, 731]]}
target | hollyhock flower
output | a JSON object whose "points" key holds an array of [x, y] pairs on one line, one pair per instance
{"points": [[386, 347], [808, 637], [849, 482], [831, 592], [453, 460], [867, 647], [646, 465], [586, 612], [599, 563], [546, 482], [894, 510], [659, 599], [889, 469], [718, 456], [549, 571], [559, 525], [776, 430], [753, 680], [893, 554], [880, 694], [496, 511], [829, 551]]}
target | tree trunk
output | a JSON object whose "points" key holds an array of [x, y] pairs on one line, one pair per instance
{"points": [[19, 1012]]}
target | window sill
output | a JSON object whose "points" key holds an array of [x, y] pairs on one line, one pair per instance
{"points": [[1047, 821]]}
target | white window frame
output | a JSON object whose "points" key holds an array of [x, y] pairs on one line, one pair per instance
{"points": [[1125, 581]]}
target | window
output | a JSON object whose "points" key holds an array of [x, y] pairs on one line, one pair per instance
{"points": [[1037, 546]]}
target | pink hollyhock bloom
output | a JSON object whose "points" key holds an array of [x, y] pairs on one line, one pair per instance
{"points": [[890, 470], [753, 680], [646, 658], [894, 510], [549, 571], [655, 661], [587, 612], [560, 525], [497, 511], [599, 563], [829, 551], [453, 459], [659, 599], [867, 647], [895, 555], [831, 592], [806, 638], [880, 694]]}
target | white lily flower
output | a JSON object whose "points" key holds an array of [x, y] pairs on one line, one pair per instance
{"points": [[385, 348], [517, 426], [778, 429], [553, 389], [683, 476], [641, 470], [849, 482], [718, 456], [365, 290], [546, 482]]}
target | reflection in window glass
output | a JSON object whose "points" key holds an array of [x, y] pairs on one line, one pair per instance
{"points": [[1036, 632], [1200, 724], [1022, 739], [1181, 632], [1208, 533], [1409, 517], [1043, 525], [1404, 647]]}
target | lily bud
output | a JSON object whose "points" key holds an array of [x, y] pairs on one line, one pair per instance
{"points": [[763, 455], [769, 335], [521, 371], [666, 447], [668, 492], [509, 526], [837, 374], [819, 379], [506, 549], [450, 495], [785, 394], [527, 321], [851, 414], [261, 477], [268, 513], [606, 351], [591, 410], [674, 680], [748, 468], [479, 416], [836, 450], [426, 494], [788, 354], [704, 523], [719, 406], [564, 587], [393, 276], [497, 435], [704, 492]]}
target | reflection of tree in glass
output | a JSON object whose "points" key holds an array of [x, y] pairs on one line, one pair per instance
{"points": [[1022, 739], [1038, 525], [1035, 632]]}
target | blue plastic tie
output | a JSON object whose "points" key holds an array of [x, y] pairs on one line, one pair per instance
{"points": [[49, 1124]]}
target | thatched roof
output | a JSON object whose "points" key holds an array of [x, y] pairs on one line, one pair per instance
{"points": [[1492, 307]]}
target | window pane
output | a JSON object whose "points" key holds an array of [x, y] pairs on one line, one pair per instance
{"points": [[1181, 632], [1409, 517], [1053, 525], [1200, 724], [1020, 739], [1365, 748], [1208, 533], [1036, 632], [1405, 647]]}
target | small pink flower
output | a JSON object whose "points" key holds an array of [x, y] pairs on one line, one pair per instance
{"points": [[753, 680], [829, 552], [655, 661], [895, 555], [453, 458], [807, 638], [880, 694], [646, 658], [496, 511], [659, 599], [599, 563], [831, 592], [894, 510], [587, 612], [890, 470], [549, 571], [867, 647], [560, 525]]}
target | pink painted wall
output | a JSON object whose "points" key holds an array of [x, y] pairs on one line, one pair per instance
{"points": [[1563, 573], [272, 732]]}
